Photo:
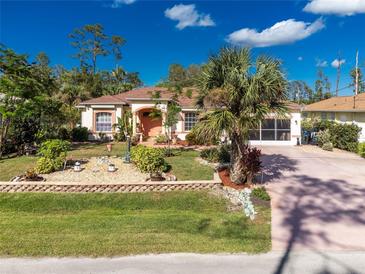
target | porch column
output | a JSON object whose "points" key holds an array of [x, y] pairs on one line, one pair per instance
{"points": [[163, 130], [134, 123]]}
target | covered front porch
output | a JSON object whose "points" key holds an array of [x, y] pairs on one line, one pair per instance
{"points": [[145, 125]]}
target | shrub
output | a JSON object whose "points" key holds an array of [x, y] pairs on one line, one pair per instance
{"points": [[361, 149], [64, 133], [161, 139], [80, 134], [148, 160], [210, 154], [327, 146], [323, 137], [251, 162], [192, 140], [345, 136], [119, 137], [261, 193], [220, 154], [53, 155]]}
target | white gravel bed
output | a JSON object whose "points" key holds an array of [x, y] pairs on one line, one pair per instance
{"points": [[94, 172]]}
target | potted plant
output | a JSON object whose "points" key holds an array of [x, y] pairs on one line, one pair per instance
{"points": [[109, 147]]}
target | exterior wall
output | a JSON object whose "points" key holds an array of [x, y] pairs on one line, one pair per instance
{"points": [[88, 118], [357, 118], [295, 133], [179, 128]]}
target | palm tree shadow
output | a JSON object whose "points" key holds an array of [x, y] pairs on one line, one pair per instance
{"points": [[275, 166], [317, 201]]}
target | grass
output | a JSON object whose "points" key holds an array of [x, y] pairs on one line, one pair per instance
{"points": [[15, 166], [45, 224], [185, 167], [96, 149]]}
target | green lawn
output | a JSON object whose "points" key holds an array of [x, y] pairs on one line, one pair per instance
{"points": [[18, 165], [15, 166], [45, 224], [185, 167]]}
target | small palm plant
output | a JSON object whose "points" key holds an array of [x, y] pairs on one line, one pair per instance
{"points": [[236, 95]]}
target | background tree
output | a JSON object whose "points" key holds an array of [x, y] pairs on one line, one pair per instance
{"points": [[24, 93], [361, 88], [299, 92], [239, 95], [90, 41]]}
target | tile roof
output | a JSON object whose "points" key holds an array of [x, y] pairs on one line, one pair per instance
{"points": [[139, 94], [340, 103], [145, 93]]}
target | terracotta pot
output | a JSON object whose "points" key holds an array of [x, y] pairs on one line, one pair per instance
{"points": [[109, 147]]}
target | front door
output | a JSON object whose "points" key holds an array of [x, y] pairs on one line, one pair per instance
{"points": [[150, 126]]}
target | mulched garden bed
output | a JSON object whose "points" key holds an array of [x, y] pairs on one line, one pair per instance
{"points": [[226, 181]]}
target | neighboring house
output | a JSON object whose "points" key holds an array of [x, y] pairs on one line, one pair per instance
{"points": [[342, 109], [99, 115]]}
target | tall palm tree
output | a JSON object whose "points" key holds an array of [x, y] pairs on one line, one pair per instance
{"points": [[237, 95]]}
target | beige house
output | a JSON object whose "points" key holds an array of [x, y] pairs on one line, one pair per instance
{"points": [[100, 114], [342, 109]]}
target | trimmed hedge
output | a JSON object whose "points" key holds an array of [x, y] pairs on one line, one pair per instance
{"points": [[148, 159], [361, 149]]}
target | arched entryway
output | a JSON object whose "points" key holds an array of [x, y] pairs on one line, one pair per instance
{"points": [[149, 126]]}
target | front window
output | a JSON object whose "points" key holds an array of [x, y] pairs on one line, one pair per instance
{"points": [[104, 121], [190, 120], [323, 115]]}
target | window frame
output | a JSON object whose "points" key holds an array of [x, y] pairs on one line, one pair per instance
{"points": [[109, 116], [276, 130], [191, 123]]}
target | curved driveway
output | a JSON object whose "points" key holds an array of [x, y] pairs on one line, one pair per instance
{"points": [[318, 198]]}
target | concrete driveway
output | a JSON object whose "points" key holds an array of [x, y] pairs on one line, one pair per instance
{"points": [[318, 198]]}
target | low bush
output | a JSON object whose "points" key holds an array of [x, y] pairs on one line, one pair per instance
{"points": [[327, 146], [251, 162], [323, 137], [219, 154], [161, 139], [64, 133], [210, 154], [53, 154], [149, 160], [345, 136], [361, 149], [80, 134], [193, 140], [260, 193]]}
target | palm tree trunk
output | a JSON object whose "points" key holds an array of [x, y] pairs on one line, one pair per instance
{"points": [[236, 170]]}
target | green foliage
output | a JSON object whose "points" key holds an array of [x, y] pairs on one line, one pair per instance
{"points": [[342, 136], [239, 94], [218, 154], [327, 146], [63, 134], [345, 136], [124, 127], [261, 193], [148, 160], [193, 139], [53, 155], [48, 165], [80, 134], [361, 149], [323, 137], [161, 139]]}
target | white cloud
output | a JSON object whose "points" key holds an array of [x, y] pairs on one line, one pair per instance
{"points": [[336, 63], [339, 7], [284, 32], [321, 63], [188, 16], [118, 3], [300, 58]]}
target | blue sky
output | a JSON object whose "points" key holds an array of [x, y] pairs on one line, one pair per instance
{"points": [[159, 33]]}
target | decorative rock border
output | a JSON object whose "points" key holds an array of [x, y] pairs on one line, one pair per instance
{"points": [[10, 187]]}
